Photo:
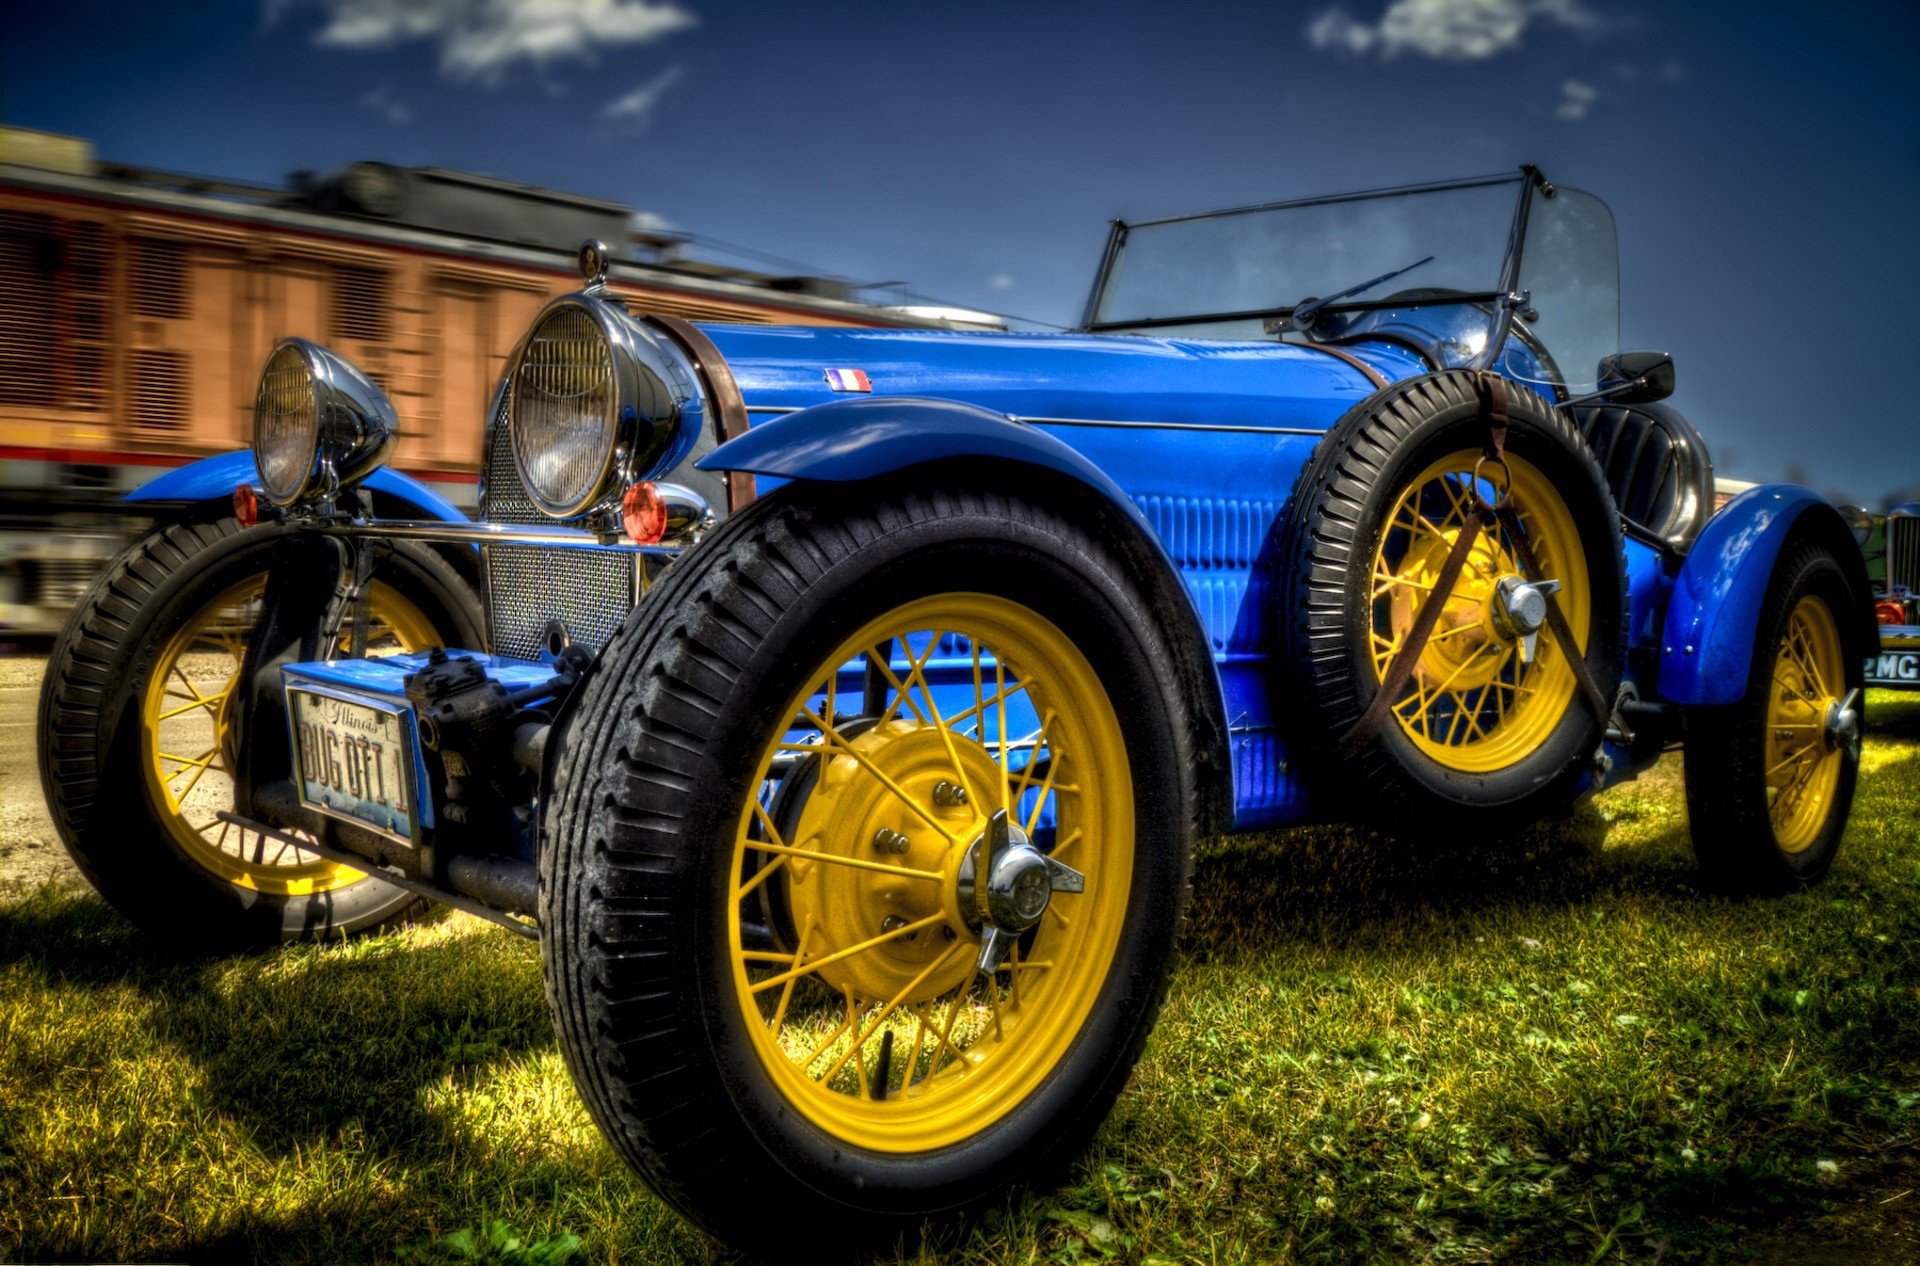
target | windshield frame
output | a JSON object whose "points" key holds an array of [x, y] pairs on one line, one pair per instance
{"points": [[1527, 179]]}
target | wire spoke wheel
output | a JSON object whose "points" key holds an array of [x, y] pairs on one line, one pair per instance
{"points": [[1803, 764], [856, 932], [1770, 777], [1476, 701], [186, 738]]}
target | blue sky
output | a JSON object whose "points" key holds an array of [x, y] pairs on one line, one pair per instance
{"points": [[1762, 159]]}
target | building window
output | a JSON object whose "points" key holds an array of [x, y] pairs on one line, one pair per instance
{"points": [[160, 278], [53, 311], [160, 391], [361, 305]]}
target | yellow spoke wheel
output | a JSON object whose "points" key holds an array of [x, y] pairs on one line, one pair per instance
{"points": [[185, 735], [1803, 766], [874, 977], [1475, 703]]}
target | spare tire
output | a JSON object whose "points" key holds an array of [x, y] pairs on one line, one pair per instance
{"points": [[1478, 729]]}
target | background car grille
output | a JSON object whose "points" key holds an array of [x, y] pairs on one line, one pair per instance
{"points": [[1903, 552], [527, 586]]}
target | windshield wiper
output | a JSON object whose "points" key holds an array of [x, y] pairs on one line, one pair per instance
{"points": [[1304, 313]]}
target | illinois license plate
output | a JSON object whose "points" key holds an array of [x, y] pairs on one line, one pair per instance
{"points": [[356, 762]]}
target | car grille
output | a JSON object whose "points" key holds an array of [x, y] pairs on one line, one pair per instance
{"points": [[1903, 552], [529, 587]]}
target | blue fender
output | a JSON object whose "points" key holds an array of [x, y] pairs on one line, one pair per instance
{"points": [[870, 436], [1706, 647], [215, 478]]}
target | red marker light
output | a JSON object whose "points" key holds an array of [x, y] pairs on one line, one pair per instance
{"points": [[1890, 612], [246, 506], [643, 513]]}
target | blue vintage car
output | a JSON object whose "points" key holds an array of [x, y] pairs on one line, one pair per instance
{"points": [[840, 707]]}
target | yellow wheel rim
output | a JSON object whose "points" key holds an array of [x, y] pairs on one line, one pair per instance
{"points": [[1473, 703], [1803, 763], [186, 727], [988, 706]]}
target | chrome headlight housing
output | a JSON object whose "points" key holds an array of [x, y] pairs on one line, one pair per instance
{"points": [[595, 401], [319, 424]]}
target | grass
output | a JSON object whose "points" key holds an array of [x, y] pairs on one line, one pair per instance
{"points": [[1371, 1051]]}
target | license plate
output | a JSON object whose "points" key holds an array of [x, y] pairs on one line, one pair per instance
{"points": [[356, 762], [1894, 668]]}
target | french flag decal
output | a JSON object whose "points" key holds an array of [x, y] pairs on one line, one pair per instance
{"points": [[848, 380]]}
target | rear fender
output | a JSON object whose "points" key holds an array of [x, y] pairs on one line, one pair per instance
{"points": [[1706, 647], [904, 437], [214, 479]]}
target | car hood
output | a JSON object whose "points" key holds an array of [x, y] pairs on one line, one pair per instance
{"points": [[1121, 378]]}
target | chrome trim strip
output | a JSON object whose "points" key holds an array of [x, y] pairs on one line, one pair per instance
{"points": [[488, 534], [1152, 426], [1176, 426]]}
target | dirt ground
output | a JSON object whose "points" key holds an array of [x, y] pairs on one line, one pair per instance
{"points": [[30, 852]]}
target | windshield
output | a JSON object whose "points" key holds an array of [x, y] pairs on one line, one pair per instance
{"points": [[1423, 265]]}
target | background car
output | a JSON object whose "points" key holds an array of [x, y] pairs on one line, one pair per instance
{"points": [[1891, 545]]}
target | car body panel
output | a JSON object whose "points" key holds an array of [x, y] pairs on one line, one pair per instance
{"points": [[1708, 633], [1115, 378], [1198, 443], [214, 479]]}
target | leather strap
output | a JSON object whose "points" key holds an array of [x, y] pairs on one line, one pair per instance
{"points": [[1374, 376], [729, 408], [1557, 623], [1363, 730]]}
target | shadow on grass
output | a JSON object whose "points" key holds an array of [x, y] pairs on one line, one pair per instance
{"points": [[415, 1071], [1894, 716], [1352, 887], [301, 1041]]}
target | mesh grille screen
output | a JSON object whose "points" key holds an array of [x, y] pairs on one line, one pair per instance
{"points": [[589, 592], [1903, 552]]}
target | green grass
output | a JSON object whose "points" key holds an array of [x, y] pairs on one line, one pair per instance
{"points": [[1371, 1050]]}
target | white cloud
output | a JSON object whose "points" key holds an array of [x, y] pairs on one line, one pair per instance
{"points": [[382, 102], [1001, 281], [1448, 30], [1576, 100], [634, 110], [480, 40]]}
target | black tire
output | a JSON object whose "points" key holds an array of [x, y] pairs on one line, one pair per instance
{"points": [[650, 782], [1726, 758], [1335, 524], [91, 742]]}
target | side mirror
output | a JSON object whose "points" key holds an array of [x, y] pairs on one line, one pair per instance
{"points": [[1636, 377]]}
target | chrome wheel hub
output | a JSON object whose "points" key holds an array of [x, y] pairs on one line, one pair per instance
{"points": [[1841, 724], [1520, 611], [1020, 881]]}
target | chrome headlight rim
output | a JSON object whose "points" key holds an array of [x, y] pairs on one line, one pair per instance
{"points": [[656, 392], [351, 431]]}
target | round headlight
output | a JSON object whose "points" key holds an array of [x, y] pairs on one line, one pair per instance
{"points": [[594, 401], [564, 408], [319, 424], [286, 424]]}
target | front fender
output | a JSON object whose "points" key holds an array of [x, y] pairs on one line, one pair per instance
{"points": [[1706, 648], [215, 478], [875, 436]]}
